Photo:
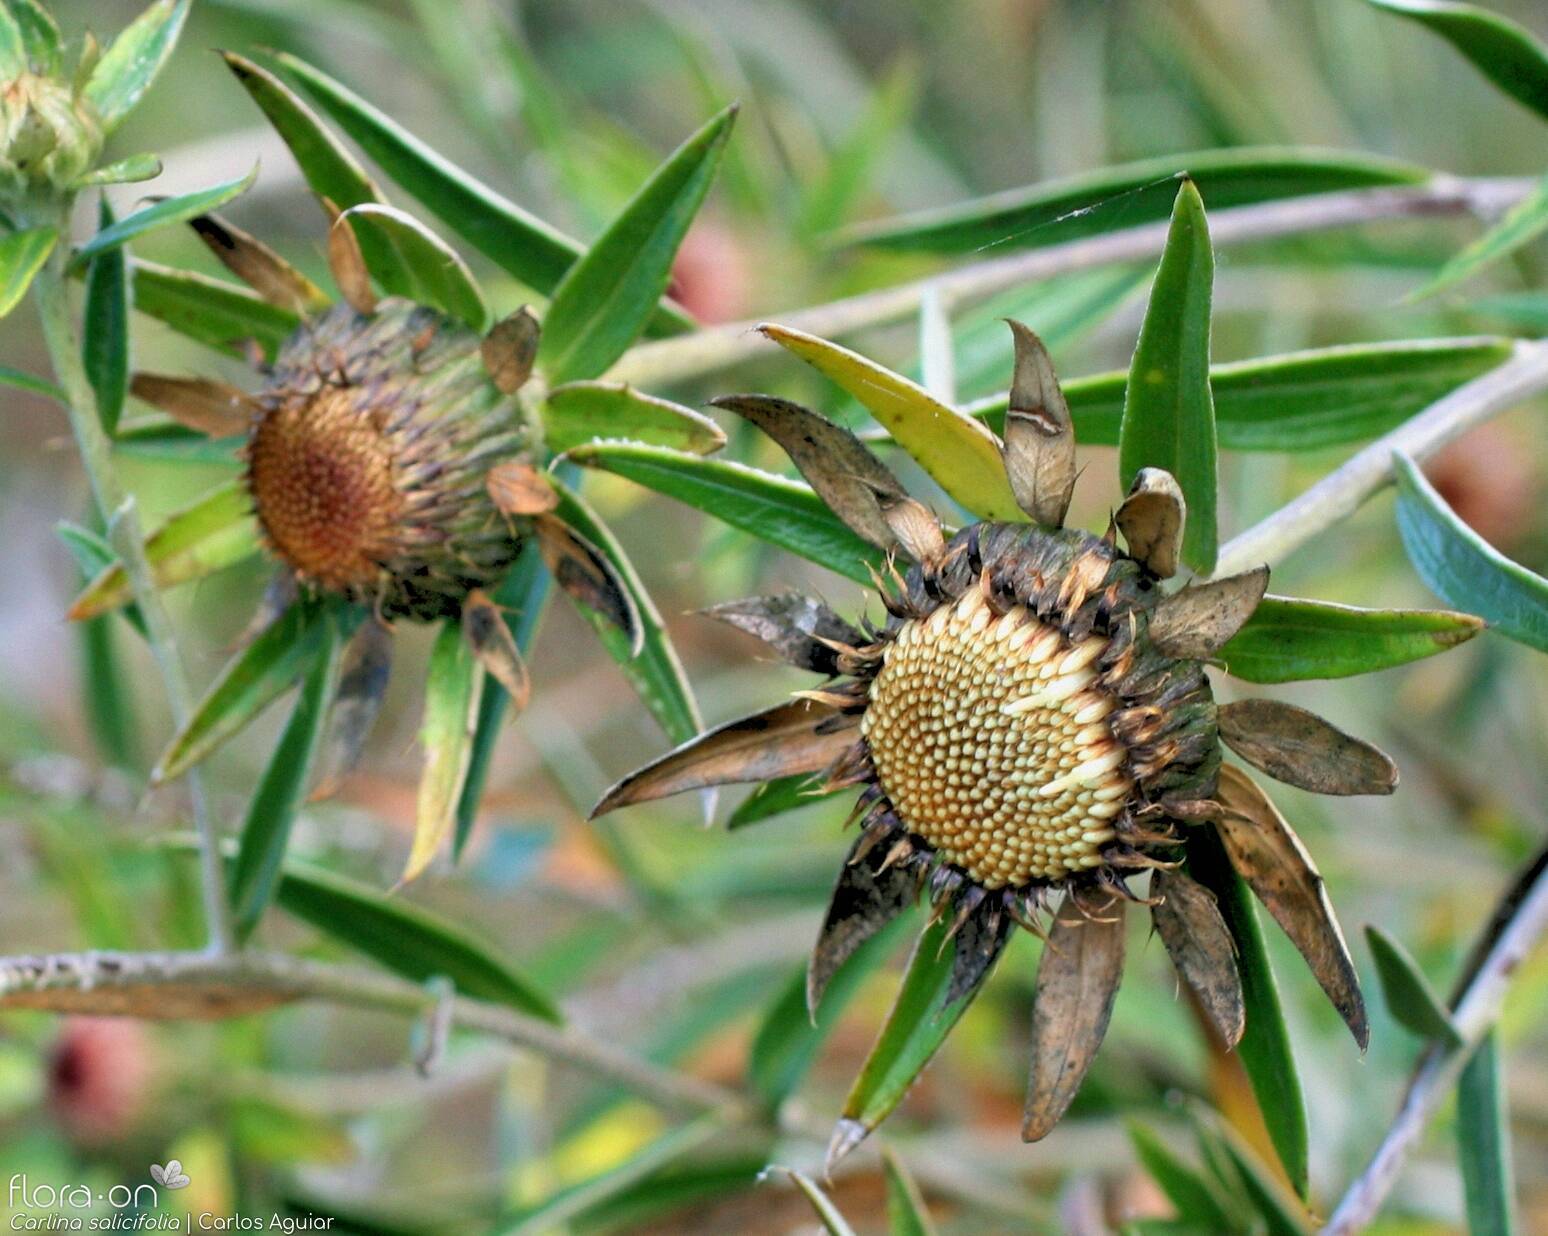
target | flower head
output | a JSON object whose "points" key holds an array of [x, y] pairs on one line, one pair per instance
{"points": [[1031, 730]]}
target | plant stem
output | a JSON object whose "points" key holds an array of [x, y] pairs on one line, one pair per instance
{"points": [[1474, 1013], [720, 347], [1340, 493], [121, 517]]}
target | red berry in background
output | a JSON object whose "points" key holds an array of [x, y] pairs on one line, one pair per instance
{"points": [[99, 1077], [710, 278], [1488, 477]]}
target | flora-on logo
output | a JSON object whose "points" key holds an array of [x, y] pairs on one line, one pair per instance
{"points": [[171, 1176]]}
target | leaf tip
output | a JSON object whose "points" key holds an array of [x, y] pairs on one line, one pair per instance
{"points": [[847, 1134]]}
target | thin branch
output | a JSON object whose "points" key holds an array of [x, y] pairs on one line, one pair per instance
{"points": [[1340, 493], [1474, 1015], [721, 347], [121, 517]]}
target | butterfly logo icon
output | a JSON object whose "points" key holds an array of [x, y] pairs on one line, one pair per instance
{"points": [[171, 1176]]}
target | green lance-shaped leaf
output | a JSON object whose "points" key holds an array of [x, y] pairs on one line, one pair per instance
{"points": [[22, 255], [210, 311], [1504, 52], [1522, 223], [17, 380], [38, 34], [452, 687], [1129, 195], [1281, 1214], [1483, 1143], [214, 532], [133, 60], [1265, 1044], [329, 169], [1289, 640], [1462, 568], [906, 1213], [161, 214], [656, 671], [13, 46], [777, 796], [517, 241], [440, 277], [1410, 998], [105, 343], [789, 1038], [602, 303], [127, 171], [266, 832], [918, 1024], [581, 412], [833, 1222], [1298, 401], [1193, 1193], [93, 554], [250, 681], [959, 452], [1168, 411], [783, 512]]}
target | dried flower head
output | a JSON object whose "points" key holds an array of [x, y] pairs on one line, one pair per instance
{"points": [[1031, 729]]}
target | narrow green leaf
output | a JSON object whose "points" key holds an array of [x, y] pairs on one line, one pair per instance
{"points": [[22, 255], [788, 1041], [777, 796], [210, 311], [600, 306], [105, 345], [1504, 52], [1483, 1143], [1282, 1215], [959, 452], [440, 277], [833, 1222], [161, 214], [1462, 568], [1289, 640], [1521, 224], [124, 172], [1265, 1046], [452, 688], [783, 512], [136, 56], [93, 554], [1130, 195], [248, 683], [581, 412], [18, 380], [1168, 411], [515, 240], [657, 673], [918, 1024], [1297, 401], [1526, 310], [327, 167], [160, 437], [1192, 1193], [214, 532], [39, 34], [13, 47], [1410, 998], [272, 810], [906, 1213]]}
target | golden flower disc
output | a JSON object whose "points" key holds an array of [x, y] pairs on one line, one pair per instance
{"points": [[321, 475], [989, 737]]}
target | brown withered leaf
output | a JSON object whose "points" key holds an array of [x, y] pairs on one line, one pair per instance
{"points": [[794, 626], [845, 474], [1193, 624], [216, 409], [347, 263], [518, 488], [1276, 866], [1151, 520], [865, 899], [259, 266], [1301, 749], [1039, 447], [509, 349], [495, 647], [1199, 943], [363, 673], [586, 575], [1077, 981], [777, 742], [915, 526]]}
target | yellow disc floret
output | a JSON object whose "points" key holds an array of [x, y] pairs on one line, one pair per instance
{"points": [[989, 737]]}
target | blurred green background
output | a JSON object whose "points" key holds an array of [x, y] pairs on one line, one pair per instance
{"points": [[659, 934]]}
